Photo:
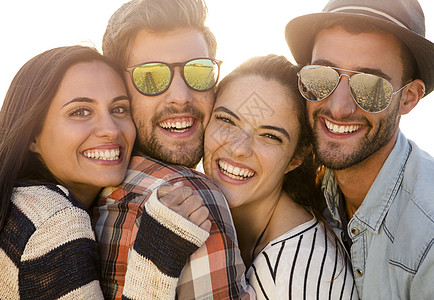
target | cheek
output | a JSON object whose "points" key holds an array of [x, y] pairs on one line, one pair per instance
{"points": [[310, 108], [58, 147], [128, 129], [276, 161], [206, 105], [141, 110], [212, 140]]}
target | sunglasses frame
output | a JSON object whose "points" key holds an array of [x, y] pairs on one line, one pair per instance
{"points": [[349, 80], [171, 67]]}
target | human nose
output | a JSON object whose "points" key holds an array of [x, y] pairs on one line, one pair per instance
{"points": [[107, 128], [341, 103], [178, 93], [241, 144]]}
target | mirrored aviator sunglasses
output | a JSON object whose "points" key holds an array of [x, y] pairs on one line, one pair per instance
{"points": [[154, 78], [371, 93]]}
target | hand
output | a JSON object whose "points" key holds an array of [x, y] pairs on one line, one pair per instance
{"points": [[184, 202]]}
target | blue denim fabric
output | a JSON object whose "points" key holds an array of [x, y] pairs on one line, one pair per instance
{"points": [[393, 229]]}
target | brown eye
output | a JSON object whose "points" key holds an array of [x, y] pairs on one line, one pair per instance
{"points": [[80, 112]]}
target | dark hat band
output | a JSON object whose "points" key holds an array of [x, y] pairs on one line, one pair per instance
{"points": [[369, 12]]}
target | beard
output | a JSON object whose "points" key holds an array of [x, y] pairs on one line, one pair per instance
{"points": [[330, 153], [183, 153]]}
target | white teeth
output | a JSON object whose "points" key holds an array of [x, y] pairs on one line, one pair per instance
{"points": [[341, 129], [178, 126], [235, 172], [112, 154]]}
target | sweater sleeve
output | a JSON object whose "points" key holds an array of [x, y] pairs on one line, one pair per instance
{"points": [[163, 244], [49, 246]]}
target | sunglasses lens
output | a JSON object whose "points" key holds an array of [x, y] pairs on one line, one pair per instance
{"points": [[201, 74], [316, 83], [152, 78], [372, 93]]}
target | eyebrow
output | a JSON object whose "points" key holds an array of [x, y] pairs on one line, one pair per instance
{"points": [[378, 72], [89, 100], [224, 109], [270, 127], [279, 129]]}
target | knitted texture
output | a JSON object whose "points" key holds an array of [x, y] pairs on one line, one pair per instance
{"points": [[47, 247], [163, 244], [174, 222]]}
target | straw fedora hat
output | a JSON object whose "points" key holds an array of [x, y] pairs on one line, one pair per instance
{"points": [[403, 18]]}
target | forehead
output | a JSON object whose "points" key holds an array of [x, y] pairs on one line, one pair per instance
{"points": [[93, 79], [173, 46], [260, 101], [352, 51]]}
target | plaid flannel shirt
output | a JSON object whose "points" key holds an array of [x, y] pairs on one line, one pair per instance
{"points": [[215, 270]]}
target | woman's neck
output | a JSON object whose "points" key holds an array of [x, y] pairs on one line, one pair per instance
{"points": [[251, 219], [86, 195], [271, 217]]}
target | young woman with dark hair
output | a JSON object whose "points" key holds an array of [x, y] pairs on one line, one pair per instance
{"points": [[65, 132], [258, 151]]}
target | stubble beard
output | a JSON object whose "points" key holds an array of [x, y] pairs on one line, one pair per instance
{"points": [[183, 153], [330, 155]]}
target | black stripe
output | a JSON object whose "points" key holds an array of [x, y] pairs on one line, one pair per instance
{"points": [[353, 289], [272, 270], [345, 276], [15, 234], [297, 234], [260, 283], [321, 268], [332, 280], [308, 264], [168, 251], [60, 271], [294, 262]]}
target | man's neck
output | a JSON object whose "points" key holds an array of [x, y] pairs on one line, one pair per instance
{"points": [[356, 181]]}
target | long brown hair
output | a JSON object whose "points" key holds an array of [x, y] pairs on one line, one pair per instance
{"points": [[23, 114]]}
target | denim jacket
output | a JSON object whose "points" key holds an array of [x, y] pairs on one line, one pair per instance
{"points": [[393, 230]]}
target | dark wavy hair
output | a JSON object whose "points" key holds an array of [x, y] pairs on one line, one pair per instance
{"points": [[23, 114], [300, 183]]}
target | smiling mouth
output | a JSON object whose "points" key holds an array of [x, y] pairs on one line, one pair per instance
{"points": [[235, 172], [341, 129], [103, 154], [177, 125]]}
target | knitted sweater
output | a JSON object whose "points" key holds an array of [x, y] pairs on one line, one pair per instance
{"points": [[48, 249]]}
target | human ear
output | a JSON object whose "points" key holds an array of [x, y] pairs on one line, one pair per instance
{"points": [[298, 159], [411, 96], [34, 146]]}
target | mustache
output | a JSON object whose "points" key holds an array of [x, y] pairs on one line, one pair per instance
{"points": [[169, 111], [326, 113]]}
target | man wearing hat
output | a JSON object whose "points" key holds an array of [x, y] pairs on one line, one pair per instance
{"points": [[366, 64]]}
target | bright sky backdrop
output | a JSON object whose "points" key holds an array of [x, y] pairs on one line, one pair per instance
{"points": [[244, 28]]}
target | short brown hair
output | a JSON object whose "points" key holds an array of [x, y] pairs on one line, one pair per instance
{"points": [[153, 16]]}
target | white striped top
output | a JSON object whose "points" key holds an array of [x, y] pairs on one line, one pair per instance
{"points": [[302, 264]]}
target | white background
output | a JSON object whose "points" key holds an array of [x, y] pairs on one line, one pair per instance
{"points": [[244, 28]]}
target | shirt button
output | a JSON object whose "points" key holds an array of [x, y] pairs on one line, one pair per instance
{"points": [[354, 231], [359, 272]]}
